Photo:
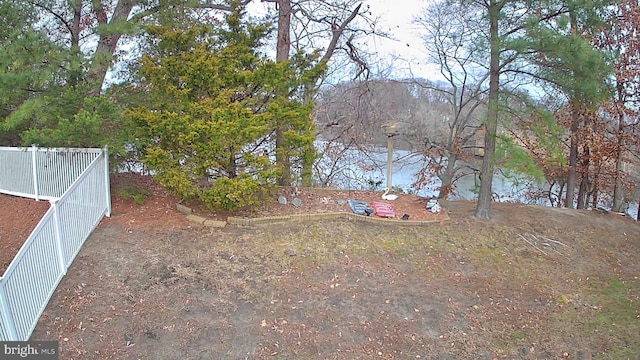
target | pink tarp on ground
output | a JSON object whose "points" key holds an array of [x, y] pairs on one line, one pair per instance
{"points": [[383, 209]]}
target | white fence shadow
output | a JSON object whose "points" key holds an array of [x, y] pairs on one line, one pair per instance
{"points": [[76, 183]]}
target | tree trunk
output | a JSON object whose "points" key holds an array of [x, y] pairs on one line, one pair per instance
{"points": [[310, 87], [584, 189], [618, 187], [447, 178], [107, 43], [573, 159], [283, 48], [233, 165], [284, 28], [561, 183], [575, 125], [75, 77], [582, 192], [483, 207]]}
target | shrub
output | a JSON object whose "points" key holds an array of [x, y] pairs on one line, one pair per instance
{"points": [[235, 193]]}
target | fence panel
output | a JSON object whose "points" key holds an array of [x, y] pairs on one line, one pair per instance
{"points": [[34, 273], [57, 169], [32, 277], [16, 171], [81, 209], [7, 330], [42, 173]]}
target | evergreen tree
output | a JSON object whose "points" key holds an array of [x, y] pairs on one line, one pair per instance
{"points": [[42, 101], [30, 70], [565, 57], [518, 32], [214, 102]]}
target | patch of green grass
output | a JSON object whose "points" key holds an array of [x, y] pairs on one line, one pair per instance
{"points": [[604, 314], [615, 318], [516, 338], [614, 295], [133, 192], [396, 245]]}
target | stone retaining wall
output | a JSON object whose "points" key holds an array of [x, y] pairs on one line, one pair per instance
{"points": [[301, 217]]}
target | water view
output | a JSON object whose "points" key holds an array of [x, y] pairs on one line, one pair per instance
{"points": [[366, 170]]}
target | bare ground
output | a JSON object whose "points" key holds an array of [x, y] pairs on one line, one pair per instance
{"points": [[533, 283], [18, 217]]}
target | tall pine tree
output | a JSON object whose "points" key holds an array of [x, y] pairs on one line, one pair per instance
{"points": [[513, 28]]}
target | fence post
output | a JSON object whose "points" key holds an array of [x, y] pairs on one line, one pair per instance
{"points": [[5, 315], [34, 166], [58, 230], [107, 186]]}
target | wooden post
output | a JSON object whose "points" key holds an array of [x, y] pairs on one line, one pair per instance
{"points": [[389, 161], [390, 129]]}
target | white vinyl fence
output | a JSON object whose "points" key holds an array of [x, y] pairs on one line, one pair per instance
{"points": [[76, 183]]}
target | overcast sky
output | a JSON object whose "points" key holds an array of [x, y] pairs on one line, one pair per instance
{"points": [[395, 17]]}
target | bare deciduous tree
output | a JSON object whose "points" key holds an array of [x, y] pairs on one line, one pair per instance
{"points": [[323, 27], [450, 34], [624, 37]]}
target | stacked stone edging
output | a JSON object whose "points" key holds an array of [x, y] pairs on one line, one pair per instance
{"points": [[323, 216], [301, 217]]}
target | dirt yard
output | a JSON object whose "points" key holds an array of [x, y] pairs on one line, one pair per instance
{"points": [[533, 283], [18, 217]]}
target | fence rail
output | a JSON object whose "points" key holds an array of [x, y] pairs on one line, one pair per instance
{"points": [[42, 173], [42, 261]]}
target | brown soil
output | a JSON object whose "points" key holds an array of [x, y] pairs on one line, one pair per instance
{"points": [[149, 284], [18, 217]]}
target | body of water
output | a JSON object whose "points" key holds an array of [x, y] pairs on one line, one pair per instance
{"points": [[367, 169]]}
